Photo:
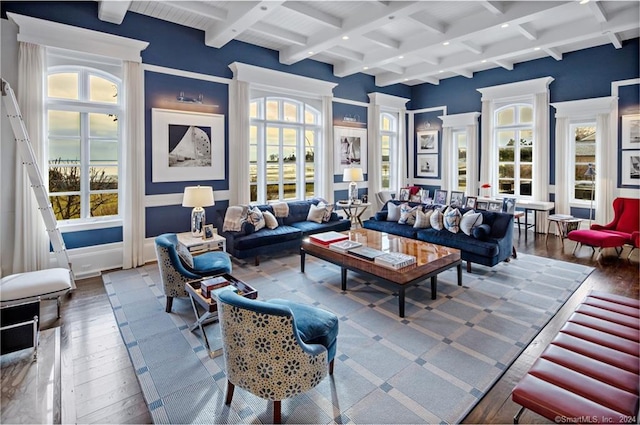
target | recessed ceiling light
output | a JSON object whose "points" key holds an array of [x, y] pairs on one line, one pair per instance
{"points": [[440, 72], [536, 48], [504, 26], [365, 67], [345, 37], [406, 79], [484, 61], [446, 43], [400, 57], [584, 1], [310, 53]]}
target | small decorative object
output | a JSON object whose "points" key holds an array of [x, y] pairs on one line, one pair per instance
{"points": [[471, 202], [427, 141], [198, 197], [591, 173], [495, 206], [405, 193], [457, 199], [509, 205], [353, 175], [350, 148], [208, 232], [630, 168], [631, 131], [427, 165], [415, 198], [365, 199], [481, 205], [485, 190], [440, 197], [424, 197]]}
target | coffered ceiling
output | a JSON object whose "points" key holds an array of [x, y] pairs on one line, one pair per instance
{"points": [[409, 42]]}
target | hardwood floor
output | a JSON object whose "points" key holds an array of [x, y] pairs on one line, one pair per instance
{"points": [[99, 383]]}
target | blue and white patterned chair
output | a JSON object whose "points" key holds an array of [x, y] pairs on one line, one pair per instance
{"points": [[275, 349], [177, 266]]}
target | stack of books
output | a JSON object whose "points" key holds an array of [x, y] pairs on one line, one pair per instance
{"points": [[327, 238], [344, 246], [366, 252], [395, 260]]}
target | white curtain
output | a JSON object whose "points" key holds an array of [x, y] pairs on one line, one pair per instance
{"points": [[563, 144], [606, 154], [402, 148], [375, 161], [449, 160], [540, 189], [239, 125], [398, 168], [133, 166], [31, 242], [487, 172], [472, 160], [325, 153]]}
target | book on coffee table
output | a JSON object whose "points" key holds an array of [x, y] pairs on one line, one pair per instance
{"points": [[344, 246], [366, 252], [395, 260], [327, 238]]}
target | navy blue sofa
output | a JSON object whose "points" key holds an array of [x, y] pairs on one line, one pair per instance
{"points": [[495, 246], [288, 235]]}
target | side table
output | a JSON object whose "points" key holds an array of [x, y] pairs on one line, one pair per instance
{"points": [[354, 211], [196, 244], [564, 224]]}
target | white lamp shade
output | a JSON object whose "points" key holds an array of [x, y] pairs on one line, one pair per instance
{"points": [[352, 175], [198, 196]]}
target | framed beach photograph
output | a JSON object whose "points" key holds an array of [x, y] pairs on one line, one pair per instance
{"points": [[509, 205], [404, 194], [631, 131], [457, 199], [183, 143], [427, 141], [495, 206], [427, 166], [630, 169], [440, 197], [471, 202], [350, 148], [481, 205]]}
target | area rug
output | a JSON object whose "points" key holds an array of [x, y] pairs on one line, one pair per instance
{"points": [[432, 366]]}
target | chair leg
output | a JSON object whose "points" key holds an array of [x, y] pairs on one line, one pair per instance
{"points": [[230, 388], [256, 261], [468, 266], [574, 248], [277, 417], [331, 367], [632, 248], [169, 304]]}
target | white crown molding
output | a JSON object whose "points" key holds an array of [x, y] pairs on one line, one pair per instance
{"points": [[53, 34], [186, 74], [585, 107], [460, 120], [387, 100], [283, 81], [521, 88]]}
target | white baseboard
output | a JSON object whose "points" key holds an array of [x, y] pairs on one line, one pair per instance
{"points": [[93, 260]]}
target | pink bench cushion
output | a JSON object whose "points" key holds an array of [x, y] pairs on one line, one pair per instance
{"points": [[598, 238]]}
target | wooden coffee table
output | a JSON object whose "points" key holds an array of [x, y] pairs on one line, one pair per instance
{"points": [[210, 306], [431, 260]]}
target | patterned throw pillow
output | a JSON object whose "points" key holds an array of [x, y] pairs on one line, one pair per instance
{"points": [[270, 220], [451, 220], [328, 209], [469, 220], [436, 220], [423, 219], [255, 217], [407, 214], [184, 254], [316, 214], [393, 212]]}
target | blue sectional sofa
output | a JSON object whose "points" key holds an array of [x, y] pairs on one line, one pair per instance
{"points": [[288, 235], [495, 246]]}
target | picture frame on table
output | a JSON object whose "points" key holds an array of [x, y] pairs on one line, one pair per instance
{"points": [[427, 166], [183, 143], [495, 206], [440, 197], [427, 141], [457, 199], [404, 194], [350, 145], [509, 205], [630, 168], [631, 131], [425, 199], [482, 205], [365, 199], [470, 202], [207, 231]]}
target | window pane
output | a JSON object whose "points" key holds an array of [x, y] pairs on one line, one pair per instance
{"points": [[63, 85], [253, 134], [385, 123], [506, 138], [102, 204], [64, 149], [290, 112], [583, 191], [506, 116], [103, 178], [253, 196], [289, 190], [289, 154], [65, 207], [506, 186], [64, 124], [289, 170], [103, 151], [526, 171], [273, 154], [526, 154], [385, 175], [526, 138], [310, 117], [253, 110], [385, 141], [103, 125], [526, 114], [309, 146], [253, 154], [64, 178], [272, 192], [273, 136], [102, 90], [290, 136], [525, 187], [272, 110], [506, 154]]}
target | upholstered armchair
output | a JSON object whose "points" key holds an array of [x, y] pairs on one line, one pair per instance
{"points": [[178, 266], [275, 349], [626, 221]]}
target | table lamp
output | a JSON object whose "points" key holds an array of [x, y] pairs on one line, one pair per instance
{"points": [[197, 197], [353, 175], [591, 172]]}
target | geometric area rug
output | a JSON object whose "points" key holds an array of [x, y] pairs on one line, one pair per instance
{"points": [[432, 366]]}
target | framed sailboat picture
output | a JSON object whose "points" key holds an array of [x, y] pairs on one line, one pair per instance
{"points": [[187, 146]]}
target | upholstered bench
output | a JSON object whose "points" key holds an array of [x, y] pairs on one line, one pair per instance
{"points": [[597, 238], [590, 371]]}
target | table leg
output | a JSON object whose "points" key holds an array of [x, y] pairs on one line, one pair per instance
{"points": [[302, 257], [526, 223], [434, 286], [546, 238], [459, 267], [401, 301], [343, 276]]}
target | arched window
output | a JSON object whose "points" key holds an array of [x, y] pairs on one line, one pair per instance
{"points": [[388, 140], [513, 135], [83, 106], [284, 134]]}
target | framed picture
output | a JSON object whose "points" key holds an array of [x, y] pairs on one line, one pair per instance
{"points": [[457, 199], [207, 231], [440, 197], [509, 205], [365, 199], [427, 166], [631, 131], [427, 141], [425, 199], [186, 146], [350, 147], [415, 198], [630, 168], [404, 194], [471, 202], [481, 205], [495, 206]]}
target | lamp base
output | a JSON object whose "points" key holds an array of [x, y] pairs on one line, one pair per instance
{"points": [[353, 192], [197, 221]]}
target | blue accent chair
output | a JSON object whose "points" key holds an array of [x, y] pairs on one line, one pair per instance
{"points": [[177, 266], [275, 349]]}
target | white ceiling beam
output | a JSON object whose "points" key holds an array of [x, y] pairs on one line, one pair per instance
{"points": [[467, 28], [598, 11], [200, 8], [472, 47], [241, 16], [464, 72], [392, 67], [495, 7], [370, 17], [553, 52], [345, 53], [382, 39], [279, 33], [429, 60], [431, 80], [504, 64], [113, 11], [428, 23], [313, 13], [615, 40], [527, 30]]}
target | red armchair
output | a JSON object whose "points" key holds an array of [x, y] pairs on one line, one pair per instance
{"points": [[626, 221]]}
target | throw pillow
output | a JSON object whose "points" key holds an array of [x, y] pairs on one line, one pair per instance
{"points": [[436, 220], [328, 210], [316, 214], [469, 220], [423, 219], [270, 220], [451, 220], [280, 209], [482, 232], [407, 215], [184, 254], [255, 217], [393, 212], [233, 218]]}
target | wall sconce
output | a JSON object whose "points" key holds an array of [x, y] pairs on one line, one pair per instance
{"points": [[349, 118], [181, 98], [424, 126]]}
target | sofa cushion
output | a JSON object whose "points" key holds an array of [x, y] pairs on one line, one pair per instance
{"points": [[316, 214], [451, 220], [184, 254], [436, 220], [482, 232], [280, 209], [255, 217], [267, 237], [298, 211], [423, 219], [328, 209], [407, 214], [270, 220], [469, 220], [393, 212]]}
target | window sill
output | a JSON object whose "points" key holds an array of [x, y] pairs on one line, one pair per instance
{"points": [[89, 224]]}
